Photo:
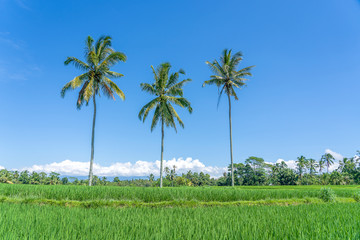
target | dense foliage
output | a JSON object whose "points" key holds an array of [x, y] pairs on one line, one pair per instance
{"points": [[255, 171]]}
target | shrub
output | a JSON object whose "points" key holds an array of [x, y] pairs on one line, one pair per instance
{"points": [[357, 196], [327, 195]]}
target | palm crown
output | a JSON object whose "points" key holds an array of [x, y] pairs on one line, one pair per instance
{"points": [[100, 57], [168, 90], [226, 76], [328, 159]]}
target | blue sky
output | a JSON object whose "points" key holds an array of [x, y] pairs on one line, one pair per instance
{"points": [[301, 100]]}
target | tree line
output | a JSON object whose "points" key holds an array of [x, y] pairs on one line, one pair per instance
{"points": [[167, 88], [253, 172]]}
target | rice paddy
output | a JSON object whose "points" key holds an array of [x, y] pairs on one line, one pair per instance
{"points": [[220, 194], [270, 212], [325, 221]]}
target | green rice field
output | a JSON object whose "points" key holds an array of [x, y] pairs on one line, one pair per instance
{"points": [[326, 221], [289, 212], [221, 194]]}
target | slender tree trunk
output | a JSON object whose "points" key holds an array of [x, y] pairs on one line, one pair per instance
{"points": [[162, 152], [231, 150], [327, 165], [92, 145]]}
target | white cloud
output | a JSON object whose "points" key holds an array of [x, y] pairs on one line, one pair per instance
{"points": [[145, 168], [139, 168], [336, 155], [1, 167], [290, 163]]}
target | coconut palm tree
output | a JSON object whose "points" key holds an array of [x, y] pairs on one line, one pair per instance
{"points": [[228, 78], [321, 165], [328, 159], [99, 58], [167, 90], [301, 164], [312, 165]]}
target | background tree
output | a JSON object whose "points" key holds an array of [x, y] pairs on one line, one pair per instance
{"points": [[328, 159], [321, 165], [301, 163], [168, 90], [312, 165], [100, 57], [227, 78], [258, 166]]}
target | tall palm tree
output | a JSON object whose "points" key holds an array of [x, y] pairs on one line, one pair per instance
{"points": [[301, 164], [321, 165], [328, 159], [99, 58], [167, 90], [228, 78], [312, 165]]}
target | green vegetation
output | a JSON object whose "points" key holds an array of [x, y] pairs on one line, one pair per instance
{"points": [[202, 194], [357, 196], [100, 57], [327, 195], [168, 90], [334, 221], [110, 212]]}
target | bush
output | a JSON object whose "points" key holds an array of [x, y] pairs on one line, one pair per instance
{"points": [[327, 195], [357, 196]]}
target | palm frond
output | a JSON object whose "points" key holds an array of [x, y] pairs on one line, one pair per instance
{"points": [[89, 91], [156, 117], [220, 94], [214, 68], [181, 102], [214, 80], [76, 82], [112, 59], [107, 91], [174, 113], [156, 77], [147, 108], [115, 88], [103, 44], [88, 45], [114, 74], [148, 88], [163, 73], [174, 77], [168, 116], [80, 100], [177, 88], [77, 63]]}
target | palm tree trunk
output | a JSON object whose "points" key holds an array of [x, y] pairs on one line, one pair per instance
{"points": [[231, 150], [92, 145], [162, 152], [327, 167]]}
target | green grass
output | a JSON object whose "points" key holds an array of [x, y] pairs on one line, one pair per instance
{"points": [[203, 194], [324, 221]]}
